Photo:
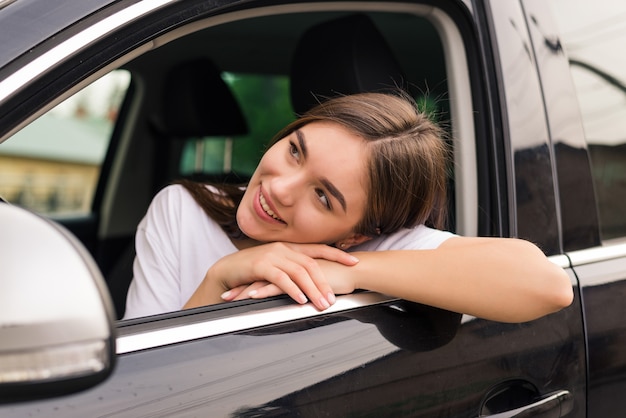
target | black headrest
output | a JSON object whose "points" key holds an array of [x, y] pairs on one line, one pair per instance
{"points": [[343, 56], [198, 103]]}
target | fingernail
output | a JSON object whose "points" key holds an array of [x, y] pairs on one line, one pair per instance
{"points": [[331, 298], [324, 303], [302, 298], [252, 293], [354, 259], [225, 295]]}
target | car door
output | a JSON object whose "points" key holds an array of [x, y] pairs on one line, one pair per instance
{"points": [[588, 39], [369, 355]]}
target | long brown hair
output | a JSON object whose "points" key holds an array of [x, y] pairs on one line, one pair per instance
{"points": [[407, 164]]}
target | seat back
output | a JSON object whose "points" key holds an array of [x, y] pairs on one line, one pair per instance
{"points": [[343, 56], [197, 104]]}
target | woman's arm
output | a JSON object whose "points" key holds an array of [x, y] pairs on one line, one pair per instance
{"points": [[502, 279], [292, 268]]}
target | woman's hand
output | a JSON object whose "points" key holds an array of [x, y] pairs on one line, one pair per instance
{"points": [[334, 273], [271, 269]]}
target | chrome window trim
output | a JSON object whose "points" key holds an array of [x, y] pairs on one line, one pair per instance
{"points": [[241, 322], [560, 260], [5, 3], [80, 41], [608, 251]]}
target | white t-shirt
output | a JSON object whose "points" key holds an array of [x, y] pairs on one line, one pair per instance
{"points": [[176, 243]]}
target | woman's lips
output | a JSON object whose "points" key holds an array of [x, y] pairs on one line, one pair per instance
{"points": [[264, 210]]}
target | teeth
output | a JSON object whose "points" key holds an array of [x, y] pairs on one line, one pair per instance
{"points": [[267, 209]]}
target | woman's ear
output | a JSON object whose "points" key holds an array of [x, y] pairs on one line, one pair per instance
{"points": [[351, 241]]}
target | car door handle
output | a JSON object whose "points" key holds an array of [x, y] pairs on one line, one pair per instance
{"points": [[554, 405]]}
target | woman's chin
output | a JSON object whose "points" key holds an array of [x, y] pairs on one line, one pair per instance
{"points": [[251, 232]]}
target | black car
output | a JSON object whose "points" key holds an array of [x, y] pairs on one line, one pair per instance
{"points": [[104, 102]]}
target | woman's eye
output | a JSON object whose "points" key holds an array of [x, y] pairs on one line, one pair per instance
{"points": [[323, 198], [293, 150]]}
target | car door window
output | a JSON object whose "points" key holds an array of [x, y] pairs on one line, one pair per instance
{"points": [[593, 35], [52, 165], [261, 84]]}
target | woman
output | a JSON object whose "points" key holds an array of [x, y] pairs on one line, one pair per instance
{"points": [[365, 173]]}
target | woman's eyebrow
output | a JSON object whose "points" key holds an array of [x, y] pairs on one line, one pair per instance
{"points": [[335, 192], [301, 142], [327, 184]]}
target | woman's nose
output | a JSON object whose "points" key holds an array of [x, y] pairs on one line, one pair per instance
{"points": [[286, 188]]}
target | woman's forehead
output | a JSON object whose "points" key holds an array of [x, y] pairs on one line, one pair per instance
{"points": [[338, 155]]}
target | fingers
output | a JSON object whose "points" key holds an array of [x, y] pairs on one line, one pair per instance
{"points": [[277, 268], [257, 290], [291, 278], [265, 291], [326, 252], [306, 275], [234, 293]]}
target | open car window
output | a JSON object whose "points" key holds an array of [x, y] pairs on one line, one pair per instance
{"points": [[429, 49], [162, 133]]}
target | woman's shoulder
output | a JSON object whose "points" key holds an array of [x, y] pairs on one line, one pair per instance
{"points": [[174, 203], [420, 237], [177, 190], [171, 197], [178, 194]]}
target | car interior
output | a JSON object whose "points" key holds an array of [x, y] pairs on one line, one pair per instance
{"points": [[205, 99]]}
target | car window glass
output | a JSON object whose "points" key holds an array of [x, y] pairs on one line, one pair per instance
{"points": [[52, 165], [593, 35]]}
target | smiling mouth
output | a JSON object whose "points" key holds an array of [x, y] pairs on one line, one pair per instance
{"points": [[267, 209]]}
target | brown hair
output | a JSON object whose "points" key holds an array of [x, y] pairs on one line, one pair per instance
{"points": [[407, 164]]}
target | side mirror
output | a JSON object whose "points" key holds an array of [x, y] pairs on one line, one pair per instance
{"points": [[57, 333]]}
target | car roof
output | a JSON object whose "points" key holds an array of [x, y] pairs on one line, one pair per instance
{"points": [[26, 23]]}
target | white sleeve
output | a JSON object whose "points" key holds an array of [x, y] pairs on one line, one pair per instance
{"points": [[155, 287], [419, 238]]}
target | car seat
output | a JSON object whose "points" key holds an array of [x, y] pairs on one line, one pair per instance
{"points": [[197, 104], [343, 56]]}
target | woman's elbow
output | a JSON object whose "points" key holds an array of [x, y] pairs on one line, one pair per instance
{"points": [[553, 295], [558, 292], [552, 285]]}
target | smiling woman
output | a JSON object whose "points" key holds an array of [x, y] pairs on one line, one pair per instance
{"points": [[364, 172], [301, 192]]}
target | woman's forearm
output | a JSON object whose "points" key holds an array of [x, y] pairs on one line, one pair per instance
{"points": [[507, 280]]}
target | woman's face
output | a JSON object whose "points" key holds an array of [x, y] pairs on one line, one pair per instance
{"points": [[310, 187]]}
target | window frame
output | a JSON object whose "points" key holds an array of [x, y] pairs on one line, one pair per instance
{"points": [[63, 65]]}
